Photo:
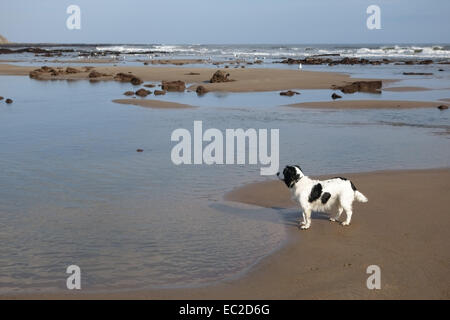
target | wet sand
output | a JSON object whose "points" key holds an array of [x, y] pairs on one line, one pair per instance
{"points": [[366, 104], [156, 104], [245, 80], [403, 229], [406, 89]]}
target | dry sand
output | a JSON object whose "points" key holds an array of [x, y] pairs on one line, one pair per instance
{"points": [[403, 229], [366, 104], [156, 104], [245, 80]]}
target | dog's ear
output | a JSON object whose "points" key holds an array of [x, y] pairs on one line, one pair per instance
{"points": [[298, 167]]}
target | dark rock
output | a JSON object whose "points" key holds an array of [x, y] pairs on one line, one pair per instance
{"points": [[335, 96], [288, 93], [442, 107], [136, 81], [37, 72], [219, 76], [1, 98], [71, 70], [177, 86], [95, 74], [159, 92], [441, 70], [8, 101], [123, 77], [129, 93], [362, 86], [139, 150], [142, 93], [417, 73], [192, 74], [149, 85], [201, 90]]}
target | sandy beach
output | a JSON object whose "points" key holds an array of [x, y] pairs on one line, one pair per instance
{"points": [[104, 194], [403, 229]]}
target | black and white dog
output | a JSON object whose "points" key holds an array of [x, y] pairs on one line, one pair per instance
{"points": [[321, 196]]}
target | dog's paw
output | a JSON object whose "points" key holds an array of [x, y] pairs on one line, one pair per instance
{"points": [[345, 223], [332, 219], [304, 227]]}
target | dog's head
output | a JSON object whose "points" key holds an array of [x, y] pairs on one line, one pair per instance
{"points": [[291, 175]]}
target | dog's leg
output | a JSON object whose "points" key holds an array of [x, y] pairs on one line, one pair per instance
{"points": [[307, 215], [338, 214], [348, 213], [303, 222]]}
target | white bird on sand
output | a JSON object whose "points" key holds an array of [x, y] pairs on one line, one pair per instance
{"points": [[299, 66]]}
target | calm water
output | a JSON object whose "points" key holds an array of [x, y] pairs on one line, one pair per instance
{"points": [[73, 189]]}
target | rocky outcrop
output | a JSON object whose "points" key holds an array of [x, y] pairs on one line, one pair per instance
{"points": [[49, 71], [127, 77], [37, 73], [95, 74], [71, 70], [8, 101], [361, 86], [442, 107], [219, 76], [177, 86]]}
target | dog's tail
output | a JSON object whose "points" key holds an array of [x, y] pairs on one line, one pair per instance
{"points": [[360, 197]]}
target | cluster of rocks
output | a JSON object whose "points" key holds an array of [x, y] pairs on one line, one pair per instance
{"points": [[361, 86], [166, 86], [37, 73], [36, 51], [318, 60], [8, 100], [58, 71], [80, 53]]}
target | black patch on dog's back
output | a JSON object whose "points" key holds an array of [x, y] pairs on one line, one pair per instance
{"points": [[325, 197], [345, 179], [316, 191]]}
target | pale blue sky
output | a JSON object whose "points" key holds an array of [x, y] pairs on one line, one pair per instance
{"points": [[226, 21]]}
